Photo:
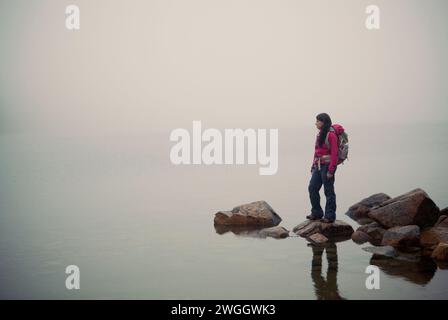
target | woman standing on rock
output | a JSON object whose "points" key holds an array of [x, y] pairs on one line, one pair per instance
{"points": [[323, 169]]}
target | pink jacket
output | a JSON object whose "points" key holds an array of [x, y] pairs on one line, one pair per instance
{"points": [[333, 151]]}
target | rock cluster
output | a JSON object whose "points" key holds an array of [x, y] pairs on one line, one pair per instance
{"points": [[411, 222]]}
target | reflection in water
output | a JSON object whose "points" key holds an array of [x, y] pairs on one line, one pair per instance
{"points": [[244, 231], [419, 270], [409, 266], [325, 289]]}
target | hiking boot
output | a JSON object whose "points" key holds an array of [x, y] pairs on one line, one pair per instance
{"points": [[311, 217], [325, 220]]}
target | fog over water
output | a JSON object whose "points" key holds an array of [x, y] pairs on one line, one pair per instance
{"points": [[86, 117]]}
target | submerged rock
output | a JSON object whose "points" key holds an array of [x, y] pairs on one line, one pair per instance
{"points": [[277, 232], [337, 230], [258, 213], [359, 211], [412, 208], [407, 236]]}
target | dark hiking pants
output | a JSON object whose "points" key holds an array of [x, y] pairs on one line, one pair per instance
{"points": [[319, 178]]}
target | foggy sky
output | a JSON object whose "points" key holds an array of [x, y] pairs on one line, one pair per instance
{"points": [[138, 65]]}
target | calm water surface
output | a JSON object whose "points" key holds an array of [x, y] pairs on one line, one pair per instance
{"points": [[139, 227]]}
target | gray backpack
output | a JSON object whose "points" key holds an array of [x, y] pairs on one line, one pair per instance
{"points": [[342, 142]]}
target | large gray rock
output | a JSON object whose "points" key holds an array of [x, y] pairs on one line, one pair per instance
{"points": [[337, 230], [375, 231], [359, 211], [257, 213], [407, 236], [412, 208]]}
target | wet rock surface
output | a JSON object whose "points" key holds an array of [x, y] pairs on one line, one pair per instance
{"points": [[412, 208], [258, 213], [337, 230]]}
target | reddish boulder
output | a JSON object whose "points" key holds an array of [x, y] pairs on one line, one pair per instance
{"points": [[412, 208]]}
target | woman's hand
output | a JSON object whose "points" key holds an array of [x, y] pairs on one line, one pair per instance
{"points": [[330, 175]]}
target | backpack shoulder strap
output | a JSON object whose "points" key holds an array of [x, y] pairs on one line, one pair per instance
{"points": [[326, 138]]}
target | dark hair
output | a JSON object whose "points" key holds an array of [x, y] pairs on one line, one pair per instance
{"points": [[325, 118]]}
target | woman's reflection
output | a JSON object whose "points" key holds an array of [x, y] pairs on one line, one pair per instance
{"points": [[326, 289]]}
